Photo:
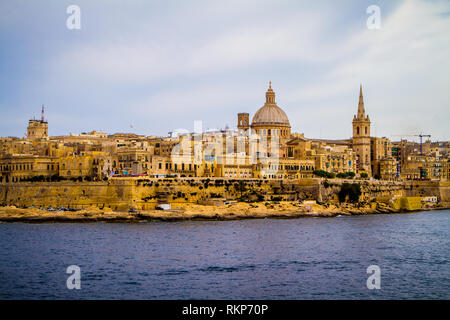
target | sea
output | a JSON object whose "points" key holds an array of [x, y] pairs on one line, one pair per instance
{"points": [[383, 256]]}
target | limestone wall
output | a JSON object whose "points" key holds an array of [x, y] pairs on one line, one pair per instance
{"points": [[125, 193], [370, 189]]}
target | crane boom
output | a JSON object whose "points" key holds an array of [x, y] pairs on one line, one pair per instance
{"points": [[421, 135]]}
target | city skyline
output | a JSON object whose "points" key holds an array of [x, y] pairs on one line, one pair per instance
{"points": [[224, 156], [131, 76]]}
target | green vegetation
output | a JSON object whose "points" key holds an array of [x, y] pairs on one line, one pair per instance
{"points": [[346, 175], [277, 198], [240, 187], [215, 195], [324, 174], [148, 198], [364, 175], [352, 191], [57, 178]]}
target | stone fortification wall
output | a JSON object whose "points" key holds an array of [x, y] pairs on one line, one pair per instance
{"points": [[125, 193]]}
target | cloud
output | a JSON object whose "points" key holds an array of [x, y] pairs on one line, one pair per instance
{"points": [[155, 53], [157, 64], [404, 69]]}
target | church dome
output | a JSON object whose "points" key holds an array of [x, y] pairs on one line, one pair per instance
{"points": [[270, 113]]}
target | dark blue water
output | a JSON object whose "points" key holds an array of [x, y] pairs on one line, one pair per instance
{"points": [[307, 258]]}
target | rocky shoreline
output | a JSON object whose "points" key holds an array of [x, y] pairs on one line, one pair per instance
{"points": [[234, 211]]}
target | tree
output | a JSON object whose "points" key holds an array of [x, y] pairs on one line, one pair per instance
{"points": [[351, 174], [364, 175], [346, 175], [240, 187], [353, 191], [324, 174]]}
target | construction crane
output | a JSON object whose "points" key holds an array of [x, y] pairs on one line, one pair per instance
{"points": [[423, 170], [421, 135]]}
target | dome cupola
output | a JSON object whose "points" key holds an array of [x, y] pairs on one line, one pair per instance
{"points": [[271, 118]]}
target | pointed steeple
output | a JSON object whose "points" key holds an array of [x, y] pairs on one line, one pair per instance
{"points": [[361, 110]]}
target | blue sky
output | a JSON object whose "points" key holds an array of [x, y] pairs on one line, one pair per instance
{"points": [[161, 65]]}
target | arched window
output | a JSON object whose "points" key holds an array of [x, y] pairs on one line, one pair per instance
{"points": [[365, 129], [357, 130]]}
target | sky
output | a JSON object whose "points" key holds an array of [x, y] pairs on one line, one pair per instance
{"points": [[151, 67]]}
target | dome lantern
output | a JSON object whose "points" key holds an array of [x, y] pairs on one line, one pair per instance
{"points": [[270, 94]]}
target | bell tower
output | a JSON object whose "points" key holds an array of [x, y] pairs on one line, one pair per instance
{"points": [[243, 123], [361, 136], [38, 129]]}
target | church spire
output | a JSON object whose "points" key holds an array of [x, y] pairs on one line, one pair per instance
{"points": [[361, 110]]}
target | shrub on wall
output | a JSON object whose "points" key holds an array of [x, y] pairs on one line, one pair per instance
{"points": [[352, 191], [324, 174], [278, 198]]}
